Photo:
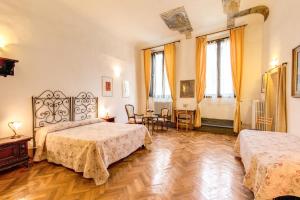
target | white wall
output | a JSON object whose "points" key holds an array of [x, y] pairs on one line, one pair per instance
{"points": [[58, 49], [281, 35], [221, 109]]}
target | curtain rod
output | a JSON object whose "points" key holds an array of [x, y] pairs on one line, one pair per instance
{"points": [[228, 29], [161, 45], [276, 67]]}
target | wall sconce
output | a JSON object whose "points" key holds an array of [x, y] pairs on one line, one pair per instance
{"points": [[274, 62], [14, 126], [117, 71], [2, 42]]}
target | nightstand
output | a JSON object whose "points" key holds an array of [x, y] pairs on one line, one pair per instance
{"points": [[109, 119], [14, 152]]}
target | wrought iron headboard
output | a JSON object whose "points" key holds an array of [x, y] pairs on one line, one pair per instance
{"points": [[84, 106], [51, 107]]}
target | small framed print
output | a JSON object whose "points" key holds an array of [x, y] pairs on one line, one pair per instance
{"points": [[296, 73], [125, 89], [107, 86]]}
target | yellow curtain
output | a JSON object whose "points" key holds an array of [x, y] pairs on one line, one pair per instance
{"points": [[201, 44], [281, 115], [170, 59], [147, 71], [270, 97], [275, 98], [237, 57]]}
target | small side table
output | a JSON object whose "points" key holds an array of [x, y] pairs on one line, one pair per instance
{"points": [[109, 119], [14, 152], [150, 119]]}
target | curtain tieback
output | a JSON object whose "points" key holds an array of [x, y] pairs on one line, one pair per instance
{"points": [[238, 101]]}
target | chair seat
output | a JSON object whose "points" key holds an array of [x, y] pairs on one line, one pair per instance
{"points": [[136, 121], [161, 119]]}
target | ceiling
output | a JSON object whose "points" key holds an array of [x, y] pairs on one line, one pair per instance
{"points": [[139, 21]]}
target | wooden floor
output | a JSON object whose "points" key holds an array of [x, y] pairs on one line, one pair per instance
{"points": [[181, 165]]}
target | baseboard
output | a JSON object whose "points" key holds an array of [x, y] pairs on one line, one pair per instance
{"points": [[215, 129], [219, 126], [221, 123]]}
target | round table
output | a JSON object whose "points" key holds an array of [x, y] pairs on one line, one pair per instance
{"points": [[147, 119]]}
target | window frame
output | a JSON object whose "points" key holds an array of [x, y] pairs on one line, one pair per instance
{"points": [[153, 74], [218, 42]]}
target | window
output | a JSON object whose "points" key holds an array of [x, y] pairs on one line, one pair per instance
{"points": [[218, 69], [159, 88]]}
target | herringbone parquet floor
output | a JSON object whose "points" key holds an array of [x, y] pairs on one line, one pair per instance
{"points": [[181, 165]]}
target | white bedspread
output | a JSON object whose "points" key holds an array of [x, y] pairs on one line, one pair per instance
{"points": [[272, 163], [89, 146]]}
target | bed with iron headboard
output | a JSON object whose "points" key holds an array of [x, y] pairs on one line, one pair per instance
{"points": [[67, 131]]}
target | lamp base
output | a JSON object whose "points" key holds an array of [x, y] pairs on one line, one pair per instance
{"points": [[15, 137]]}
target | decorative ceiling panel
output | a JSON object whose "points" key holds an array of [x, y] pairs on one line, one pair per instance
{"points": [[177, 20]]}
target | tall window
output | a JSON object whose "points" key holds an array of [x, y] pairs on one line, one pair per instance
{"points": [[159, 89], [218, 69]]}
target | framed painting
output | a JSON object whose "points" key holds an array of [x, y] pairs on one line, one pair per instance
{"points": [[107, 86], [187, 89], [296, 73], [125, 89]]}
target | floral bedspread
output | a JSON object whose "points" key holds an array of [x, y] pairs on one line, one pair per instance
{"points": [[272, 163], [89, 146]]}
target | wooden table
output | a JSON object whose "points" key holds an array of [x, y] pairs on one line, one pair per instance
{"points": [[149, 118]]}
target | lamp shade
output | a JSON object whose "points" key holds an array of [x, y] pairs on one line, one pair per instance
{"points": [[16, 125]]}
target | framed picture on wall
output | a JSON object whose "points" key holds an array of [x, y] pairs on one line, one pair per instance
{"points": [[187, 89], [296, 73], [107, 86], [125, 89]]}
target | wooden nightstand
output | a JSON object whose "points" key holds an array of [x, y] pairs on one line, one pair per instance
{"points": [[109, 119], [13, 152]]}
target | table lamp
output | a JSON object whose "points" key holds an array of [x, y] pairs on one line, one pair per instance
{"points": [[14, 126]]}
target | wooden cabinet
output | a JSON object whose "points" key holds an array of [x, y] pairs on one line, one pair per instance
{"points": [[13, 152]]}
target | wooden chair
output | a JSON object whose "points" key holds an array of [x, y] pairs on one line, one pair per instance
{"points": [[132, 117], [264, 123], [184, 118], [163, 118]]}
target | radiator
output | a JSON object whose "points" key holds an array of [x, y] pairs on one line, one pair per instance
{"points": [[259, 120], [159, 105]]}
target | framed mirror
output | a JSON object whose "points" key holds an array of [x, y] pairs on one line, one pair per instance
{"points": [[296, 73]]}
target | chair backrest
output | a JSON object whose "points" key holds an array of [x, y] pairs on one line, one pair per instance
{"points": [[130, 111], [184, 114], [149, 112], [164, 112], [264, 123]]}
